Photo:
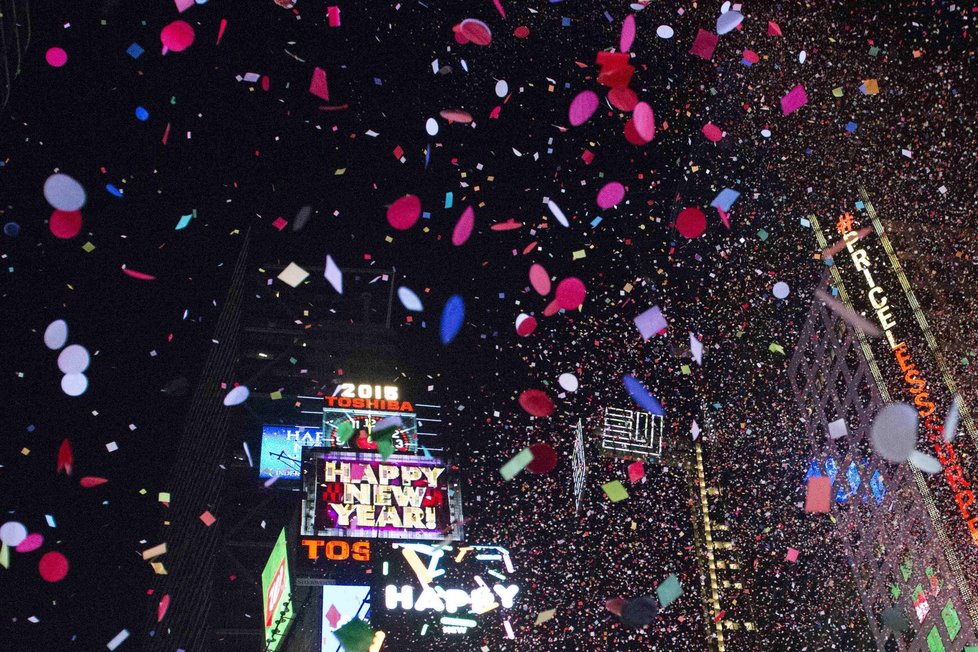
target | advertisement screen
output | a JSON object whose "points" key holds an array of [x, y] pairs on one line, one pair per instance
{"points": [[447, 590], [276, 595], [281, 449], [359, 495], [324, 560], [405, 436], [341, 604]]}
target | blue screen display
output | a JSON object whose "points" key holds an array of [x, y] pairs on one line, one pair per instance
{"points": [[281, 449]]}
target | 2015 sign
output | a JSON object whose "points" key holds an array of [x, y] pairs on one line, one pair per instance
{"points": [[337, 549]]}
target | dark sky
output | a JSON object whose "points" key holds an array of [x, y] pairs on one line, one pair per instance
{"points": [[241, 156]]}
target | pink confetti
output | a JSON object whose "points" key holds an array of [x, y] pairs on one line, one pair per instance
{"points": [[138, 275], [53, 567], [404, 213], [627, 33], [610, 195], [464, 226], [570, 293], [712, 132], [540, 279], [644, 120], [582, 107]]}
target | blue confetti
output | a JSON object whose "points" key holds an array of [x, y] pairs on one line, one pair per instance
{"points": [[113, 190], [135, 50], [452, 317], [725, 199], [142, 114], [642, 396]]}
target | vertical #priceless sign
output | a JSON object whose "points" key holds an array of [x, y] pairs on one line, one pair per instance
{"points": [[276, 595]]}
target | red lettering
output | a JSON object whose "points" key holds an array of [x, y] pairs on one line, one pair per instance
{"points": [[343, 402], [965, 500], [945, 452], [955, 478], [406, 407]]}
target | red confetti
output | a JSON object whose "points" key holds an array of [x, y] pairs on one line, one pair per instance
{"points": [[536, 403], [53, 567]]}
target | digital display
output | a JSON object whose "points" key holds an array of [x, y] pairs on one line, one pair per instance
{"points": [[276, 595], [281, 449], [349, 494], [341, 604], [323, 560], [447, 589], [405, 436]]}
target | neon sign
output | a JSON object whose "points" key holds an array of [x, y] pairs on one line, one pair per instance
{"points": [[915, 382], [337, 549], [351, 494]]}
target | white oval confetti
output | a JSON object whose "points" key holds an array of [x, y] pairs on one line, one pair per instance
{"points": [[781, 290], [728, 22], [56, 334], [12, 533], [74, 384], [894, 432], [568, 382], [64, 193], [431, 127], [74, 359], [409, 299], [559, 214], [237, 396], [925, 462], [664, 32], [725, 7], [951, 422], [502, 88], [802, 56], [766, 133]]}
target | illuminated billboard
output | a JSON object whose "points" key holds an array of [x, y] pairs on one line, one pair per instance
{"points": [[325, 560], [276, 595], [341, 604], [360, 495], [450, 589], [281, 449], [631, 433], [363, 424]]}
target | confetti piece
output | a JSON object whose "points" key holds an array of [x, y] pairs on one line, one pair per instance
{"points": [[177, 36], [91, 481], [615, 491], [162, 607], [138, 275], [65, 457], [184, 222], [650, 322], [691, 223], [56, 334], [818, 496], [636, 471], [236, 396], [704, 45], [544, 458], [333, 274], [452, 318], [642, 396], [117, 640], [794, 100], [13, 533], [545, 616], [536, 403], [65, 224], [582, 107], [951, 422], [317, 85], [570, 293], [464, 226], [409, 299], [293, 275], [792, 555], [925, 462], [510, 469], [64, 193], [155, 551], [525, 324], [644, 121], [56, 57], [696, 348], [846, 314], [668, 591], [208, 518], [404, 212], [610, 195], [627, 33], [568, 381], [53, 567], [540, 279], [728, 22]]}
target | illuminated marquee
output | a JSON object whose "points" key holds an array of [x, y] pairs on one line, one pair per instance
{"points": [[452, 588], [360, 495], [914, 380]]}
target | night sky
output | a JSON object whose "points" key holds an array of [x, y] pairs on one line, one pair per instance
{"points": [[239, 156]]}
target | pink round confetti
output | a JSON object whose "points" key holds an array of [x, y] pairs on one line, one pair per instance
{"points": [[521, 32], [610, 195], [476, 31], [627, 33], [56, 57], [623, 98], [177, 36], [53, 567], [644, 121], [712, 132], [570, 293], [540, 279], [582, 107], [142, 276], [463, 228], [404, 213], [691, 223], [31, 543], [65, 224]]}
